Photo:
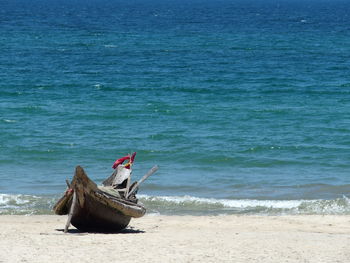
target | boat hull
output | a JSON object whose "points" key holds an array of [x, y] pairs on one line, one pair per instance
{"points": [[94, 209], [97, 217]]}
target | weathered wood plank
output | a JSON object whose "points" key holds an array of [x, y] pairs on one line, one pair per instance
{"points": [[71, 211], [150, 172]]}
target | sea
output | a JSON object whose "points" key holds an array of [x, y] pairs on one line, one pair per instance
{"points": [[243, 104]]}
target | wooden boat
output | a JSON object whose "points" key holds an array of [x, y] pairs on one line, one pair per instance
{"points": [[93, 209]]}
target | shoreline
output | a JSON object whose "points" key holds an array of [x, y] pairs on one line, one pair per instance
{"points": [[159, 238], [21, 204]]}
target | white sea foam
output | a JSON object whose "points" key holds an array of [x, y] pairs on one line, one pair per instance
{"points": [[24, 204], [226, 202], [319, 206], [110, 46], [30, 204], [9, 121], [6, 199]]}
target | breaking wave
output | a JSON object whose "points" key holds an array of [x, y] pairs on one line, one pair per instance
{"points": [[189, 205], [195, 205], [25, 204]]}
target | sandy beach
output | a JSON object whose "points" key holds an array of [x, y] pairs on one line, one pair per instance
{"points": [[180, 239]]}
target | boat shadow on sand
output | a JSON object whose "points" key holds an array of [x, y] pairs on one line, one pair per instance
{"points": [[124, 231]]}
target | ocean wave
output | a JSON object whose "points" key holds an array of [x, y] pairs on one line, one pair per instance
{"points": [[9, 121], [179, 205], [25, 204], [195, 205]]}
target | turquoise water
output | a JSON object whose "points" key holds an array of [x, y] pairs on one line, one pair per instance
{"points": [[244, 105]]}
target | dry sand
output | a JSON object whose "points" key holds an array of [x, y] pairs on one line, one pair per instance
{"points": [[180, 239]]}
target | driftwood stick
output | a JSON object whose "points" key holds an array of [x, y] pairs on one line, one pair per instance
{"points": [[71, 211], [150, 172]]}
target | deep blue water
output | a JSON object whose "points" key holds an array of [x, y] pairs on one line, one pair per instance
{"points": [[244, 105]]}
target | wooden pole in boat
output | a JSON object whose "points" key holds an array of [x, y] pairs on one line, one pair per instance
{"points": [[68, 184], [150, 172], [71, 211]]}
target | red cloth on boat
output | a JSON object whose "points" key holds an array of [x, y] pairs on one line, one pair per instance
{"points": [[121, 160], [133, 157]]}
